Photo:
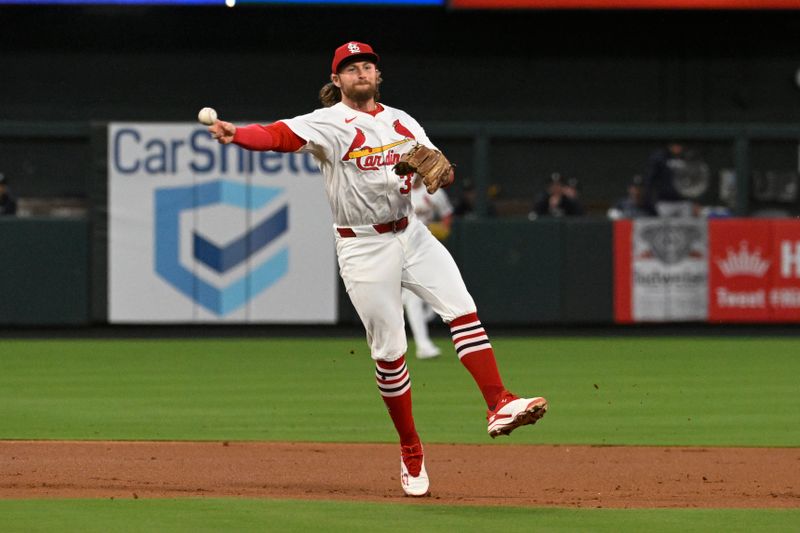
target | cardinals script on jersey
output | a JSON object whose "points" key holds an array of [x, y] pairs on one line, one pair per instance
{"points": [[356, 152]]}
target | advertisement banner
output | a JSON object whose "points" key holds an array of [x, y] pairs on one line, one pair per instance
{"points": [[670, 270], [740, 274], [200, 232], [661, 270], [784, 297], [755, 270]]}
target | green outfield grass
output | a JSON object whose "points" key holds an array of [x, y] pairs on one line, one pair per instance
{"points": [[228, 515], [681, 391], [645, 391]]}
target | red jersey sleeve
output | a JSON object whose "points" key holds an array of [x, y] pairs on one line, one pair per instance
{"points": [[276, 137]]}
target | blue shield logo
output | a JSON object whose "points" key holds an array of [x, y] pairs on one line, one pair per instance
{"points": [[170, 203]]}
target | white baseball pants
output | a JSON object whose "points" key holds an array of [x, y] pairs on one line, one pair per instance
{"points": [[374, 268]]}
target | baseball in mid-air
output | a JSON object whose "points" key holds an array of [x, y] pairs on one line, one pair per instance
{"points": [[207, 116]]}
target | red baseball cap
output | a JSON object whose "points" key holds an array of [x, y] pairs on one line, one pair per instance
{"points": [[352, 50]]}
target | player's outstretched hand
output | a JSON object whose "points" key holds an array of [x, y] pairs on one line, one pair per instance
{"points": [[222, 131]]}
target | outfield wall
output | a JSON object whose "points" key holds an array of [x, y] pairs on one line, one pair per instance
{"points": [[44, 271], [521, 272], [569, 271]]}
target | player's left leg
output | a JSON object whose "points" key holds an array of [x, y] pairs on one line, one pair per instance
{"points": [[394, 385], [370, 268], [432, 274]]}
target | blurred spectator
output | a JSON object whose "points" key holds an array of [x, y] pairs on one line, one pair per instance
{"points": [[436, 212], [557, 200], [669, 177], [8, 204], [466, 202], [635, 204], [572, 190]]}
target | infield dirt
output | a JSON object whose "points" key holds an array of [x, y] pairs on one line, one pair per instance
{"points": [[565, 476]]}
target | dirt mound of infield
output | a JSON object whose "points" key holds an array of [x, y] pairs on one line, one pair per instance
{"points": [[566, 476]]}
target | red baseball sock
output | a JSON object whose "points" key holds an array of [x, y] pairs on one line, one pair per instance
{"points": [[394, 385], [475, 352]]}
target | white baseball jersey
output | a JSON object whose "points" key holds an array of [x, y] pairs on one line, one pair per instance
{"points": [[356, 152], [430, 207]]}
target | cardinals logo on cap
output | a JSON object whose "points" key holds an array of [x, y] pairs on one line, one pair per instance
{"points": [[351, 49]]}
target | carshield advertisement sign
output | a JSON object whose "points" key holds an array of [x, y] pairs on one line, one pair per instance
{"points": [[200, 232]]}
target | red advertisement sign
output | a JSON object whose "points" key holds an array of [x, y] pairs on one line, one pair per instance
{"points": [[625, 4], [623, 266], [754, 275], [784, 298]]}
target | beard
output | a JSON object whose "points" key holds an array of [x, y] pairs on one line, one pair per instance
{"points": [[361, 92]]}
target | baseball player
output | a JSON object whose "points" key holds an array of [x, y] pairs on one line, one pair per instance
{"points": [[436, 212], [369, 154]]}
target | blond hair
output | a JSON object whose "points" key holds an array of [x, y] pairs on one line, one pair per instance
{"points": [[330, 94]]}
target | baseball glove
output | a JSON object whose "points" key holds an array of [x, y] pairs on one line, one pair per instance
{"points": [[431, 165]]}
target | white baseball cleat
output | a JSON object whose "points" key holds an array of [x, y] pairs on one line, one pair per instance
{"points": [[412, 462], [512, 412]]}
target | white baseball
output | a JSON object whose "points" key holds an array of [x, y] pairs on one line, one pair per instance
{"points": [[207, 116]]}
